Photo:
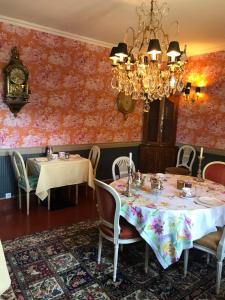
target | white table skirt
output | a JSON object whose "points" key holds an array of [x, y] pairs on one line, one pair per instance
{"points": [[5, 281], [57, 173]]}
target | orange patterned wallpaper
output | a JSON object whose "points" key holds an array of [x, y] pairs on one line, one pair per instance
{"points": [[203, 122], [71, 102]]}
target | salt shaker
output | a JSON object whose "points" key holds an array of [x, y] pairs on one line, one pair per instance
{"points": [[49, 152]]}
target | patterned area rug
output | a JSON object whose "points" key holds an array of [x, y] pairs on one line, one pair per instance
{"points": [[61, 264]]}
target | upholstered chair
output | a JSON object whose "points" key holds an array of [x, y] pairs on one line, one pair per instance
{"points": [[112, 226], [185, 159]]}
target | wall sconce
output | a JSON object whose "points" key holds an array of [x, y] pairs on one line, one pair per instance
{"points": [[191, 95]]}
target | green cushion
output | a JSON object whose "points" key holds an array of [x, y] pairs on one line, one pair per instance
{"points": [[32, 181]]}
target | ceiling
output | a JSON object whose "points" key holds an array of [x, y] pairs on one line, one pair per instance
{"points": [[201, 22]]}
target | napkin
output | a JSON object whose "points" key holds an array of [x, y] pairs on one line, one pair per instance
{"points": [[209, 201], [41, 159]]}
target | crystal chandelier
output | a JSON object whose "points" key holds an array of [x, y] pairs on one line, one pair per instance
{"points": [[146, 65]]}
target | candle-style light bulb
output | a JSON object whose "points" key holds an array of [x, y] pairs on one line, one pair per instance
{"points": [[201, 152]]}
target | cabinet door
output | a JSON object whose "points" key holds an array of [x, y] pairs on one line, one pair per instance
{"points": [[169, 122], [161, 121], [155, 158]]}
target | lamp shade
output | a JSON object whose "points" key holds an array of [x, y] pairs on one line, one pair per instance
{"points": [[174, 49], [113, 53], [122, 50], [188, 85], [154, 46], [197, 90]]}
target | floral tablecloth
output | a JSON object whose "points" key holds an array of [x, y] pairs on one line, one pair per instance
{"points": [[169, 222]]}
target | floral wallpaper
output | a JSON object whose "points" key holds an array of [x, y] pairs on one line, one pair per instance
{"points": [[71, 100], [202, 123]]}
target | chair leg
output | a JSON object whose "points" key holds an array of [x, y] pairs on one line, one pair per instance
{"points": [[99, 248], [28, 202], [49, 199], [146, 257], [116, 249], [186, 254], [86, 190], [20, 197], [218, 276], [77, 190]]}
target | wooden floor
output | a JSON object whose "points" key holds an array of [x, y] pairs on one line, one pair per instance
{"points": [[15, 222]]}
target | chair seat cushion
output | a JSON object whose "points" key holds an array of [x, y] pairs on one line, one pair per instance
{"points": [[127, 231], [32, 182], [177, 170], [211, 240]]}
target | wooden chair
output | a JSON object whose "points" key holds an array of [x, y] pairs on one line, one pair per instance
{"points": [[121, 163], [113, 227], [25, 182], [94, 157], [212, 243], [185, 159], [215, 171]]}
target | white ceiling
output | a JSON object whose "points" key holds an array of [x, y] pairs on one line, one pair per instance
{"points": [[202, 22]]}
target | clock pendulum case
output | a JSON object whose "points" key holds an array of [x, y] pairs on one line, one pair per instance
{"points": [[16, 91]]}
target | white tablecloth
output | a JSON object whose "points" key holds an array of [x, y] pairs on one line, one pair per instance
{"points": [[4, 274], [57, 173]]}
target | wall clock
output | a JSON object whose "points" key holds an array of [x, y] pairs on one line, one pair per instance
{"points": [[125, 104], [16, 91]]}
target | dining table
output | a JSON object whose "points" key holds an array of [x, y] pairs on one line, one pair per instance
{"points": [[168, 220], [60, 172]]}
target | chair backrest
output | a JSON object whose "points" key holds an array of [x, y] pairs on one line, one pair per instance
{"points": [[108, 205], [121, 163], [19, 167], [94, 156], [215, 171], [185, 157]]}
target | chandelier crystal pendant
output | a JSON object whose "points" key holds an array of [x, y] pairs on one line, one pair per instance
{"points": [[146, 65]]}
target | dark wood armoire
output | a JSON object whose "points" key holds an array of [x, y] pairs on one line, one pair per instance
{"points": [[158, 150]]}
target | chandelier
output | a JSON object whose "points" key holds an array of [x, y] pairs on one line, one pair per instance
{"points": [[146, 65]]}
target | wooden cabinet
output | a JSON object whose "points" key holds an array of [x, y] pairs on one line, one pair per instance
{"points": [[158, 150]]}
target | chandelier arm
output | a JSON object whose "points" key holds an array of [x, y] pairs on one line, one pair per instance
{"points": [[130, 28], [177, 26]]}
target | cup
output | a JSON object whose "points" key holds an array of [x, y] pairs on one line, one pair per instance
{"points": [[55, 156], [187, 192], [62, 155], [67, 155], [188, 184], [180, 184]]}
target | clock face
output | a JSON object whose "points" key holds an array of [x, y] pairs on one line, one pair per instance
{"points": [[16, 89], [17, 76]]}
